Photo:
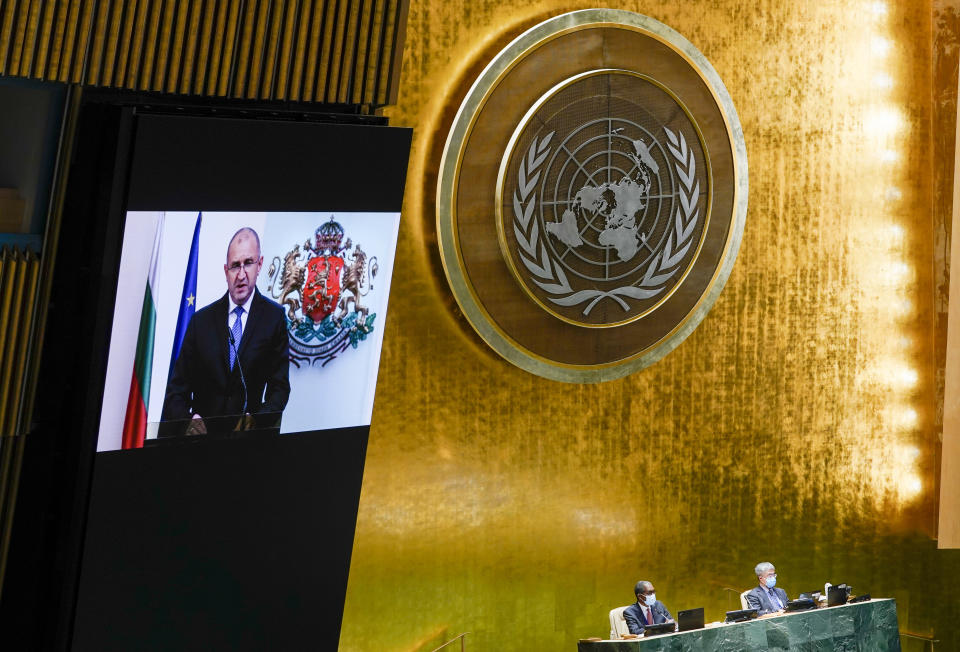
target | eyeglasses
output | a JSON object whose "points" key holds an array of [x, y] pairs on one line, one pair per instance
{"points": [[235, 267]]}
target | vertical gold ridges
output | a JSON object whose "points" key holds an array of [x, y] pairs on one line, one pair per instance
{"points": [[30, 39], [112, 43], [98, 36], [347, 52], [294, 85], [258, 46], [28, 304], [366, 70], [19, 275], [215, 21], [268, 59], [381, 64], [385, 52], [205, 39], [7, 9], [72, 28], [82, 41], [6, 265], [393, 62], [175, 52], [11, 460], [351, 50], [284, 62], [43, 39], [188, 45], [151, 41], [135, 59], [313, 57], [162, 49], [11, 316], [241, 70], [16, 50], [231, 37], [369, 27], [55, 39], [17, 302], [333, 47], [125, 25], [334, 51]]}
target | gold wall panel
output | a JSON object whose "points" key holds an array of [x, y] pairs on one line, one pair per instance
{"points": [[330, 51], [799, 424], [19, 276]]}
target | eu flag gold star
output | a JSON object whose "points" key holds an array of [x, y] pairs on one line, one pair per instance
{"points": [[190, 300]]}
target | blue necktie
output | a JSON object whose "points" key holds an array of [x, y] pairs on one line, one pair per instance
{"points": [[237, 331], [774, 599]]}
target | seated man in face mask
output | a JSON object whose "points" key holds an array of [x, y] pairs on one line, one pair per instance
{"points": [[647, 610], [767, 599]]}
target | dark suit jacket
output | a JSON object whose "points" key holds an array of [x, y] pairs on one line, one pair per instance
{"points": [[636, 621], [758, 599], [202, 382]]}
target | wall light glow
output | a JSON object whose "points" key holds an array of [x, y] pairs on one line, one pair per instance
{"points": [[904, 376], [879, 46], [878, 9], [900, 418], [883, 81], [893, 193], [882, 121], [910, 485], [889, 156]]}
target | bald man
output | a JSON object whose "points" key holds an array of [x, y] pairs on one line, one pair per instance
{"points": [[234, 357]]}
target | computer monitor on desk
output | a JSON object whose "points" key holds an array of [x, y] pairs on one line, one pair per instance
{"points": [[659, 628], [689, 619], [740, 615]]}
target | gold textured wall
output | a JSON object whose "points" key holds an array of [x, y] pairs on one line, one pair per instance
{"points": [[330, 51], [799, 423]]}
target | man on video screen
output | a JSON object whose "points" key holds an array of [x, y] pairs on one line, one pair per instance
{"points": [[234, 355]]}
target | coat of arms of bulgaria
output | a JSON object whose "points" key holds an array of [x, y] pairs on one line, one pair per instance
{"points": [[322, 284]]}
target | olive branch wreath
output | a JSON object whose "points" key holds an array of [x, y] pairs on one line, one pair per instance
{"points": [[664, 265]]}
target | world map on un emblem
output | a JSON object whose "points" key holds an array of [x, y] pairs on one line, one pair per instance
{"points": [[605, 199]]}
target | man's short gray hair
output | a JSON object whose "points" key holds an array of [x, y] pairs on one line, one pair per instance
{"points": [[640, 587], [762, 568]]}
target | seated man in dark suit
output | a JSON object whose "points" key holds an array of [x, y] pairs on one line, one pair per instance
{"points": [[766, 598], [234, 358], [647, 610]]}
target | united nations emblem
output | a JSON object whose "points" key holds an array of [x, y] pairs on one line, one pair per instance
{"points": [[603, 198], [609, 155], [321, 285]]}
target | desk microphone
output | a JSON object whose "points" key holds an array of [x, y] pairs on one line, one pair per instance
{"points": [[236, 356]]}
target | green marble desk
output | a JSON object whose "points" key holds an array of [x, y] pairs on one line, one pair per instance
{"points": [[863, 627]]}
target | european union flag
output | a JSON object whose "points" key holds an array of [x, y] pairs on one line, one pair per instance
{"points": [[188, 301]]}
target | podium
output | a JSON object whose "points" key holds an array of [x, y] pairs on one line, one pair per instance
{"points": [[868, 625], [188, 431]]}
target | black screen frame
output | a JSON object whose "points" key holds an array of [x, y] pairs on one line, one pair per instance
{"points": [[115, 135]]}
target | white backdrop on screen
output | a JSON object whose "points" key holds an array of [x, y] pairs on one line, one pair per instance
{"points": [[340, 393], [347, 382], [138, 237]]}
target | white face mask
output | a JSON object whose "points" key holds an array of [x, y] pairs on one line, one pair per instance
{"points": [[650, 599]]}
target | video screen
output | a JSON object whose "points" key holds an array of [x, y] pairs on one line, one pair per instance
{"points": [[224, 317]]}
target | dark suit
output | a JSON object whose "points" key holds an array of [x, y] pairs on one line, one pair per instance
{"points": [[637, 622], [759, 600], [202, 382]]}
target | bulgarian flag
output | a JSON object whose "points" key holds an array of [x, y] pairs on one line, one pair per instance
{"points": [[135, 423]]}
